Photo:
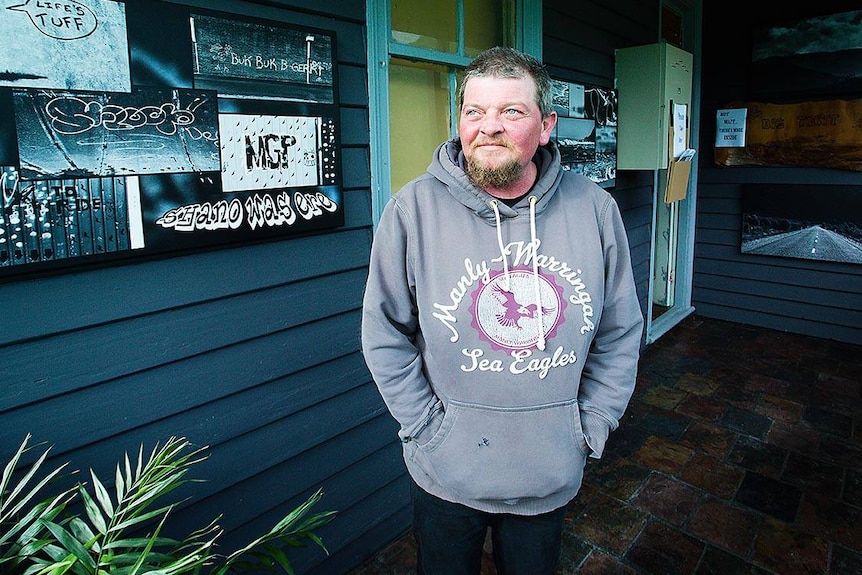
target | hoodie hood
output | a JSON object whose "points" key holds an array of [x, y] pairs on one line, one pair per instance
{"points": [[447, 165]]}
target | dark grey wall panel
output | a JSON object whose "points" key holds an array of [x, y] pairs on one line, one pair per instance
{"points": [[803, 296], [68, 302], [252, 350]]}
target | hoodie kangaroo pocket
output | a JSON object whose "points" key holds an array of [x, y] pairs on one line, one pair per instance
{"points": [[506, 453]]}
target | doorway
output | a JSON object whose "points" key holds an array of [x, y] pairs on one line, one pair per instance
{"points": [[673, 224]]}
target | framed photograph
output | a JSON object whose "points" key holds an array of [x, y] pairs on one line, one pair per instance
{"points": [[821, 223], [814, 58], [196, 130], [586, 130]]}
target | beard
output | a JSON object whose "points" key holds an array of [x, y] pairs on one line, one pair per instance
{"points": [[496, 177]]}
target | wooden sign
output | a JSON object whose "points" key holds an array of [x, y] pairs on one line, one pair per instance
{"points": [[821, 134]]}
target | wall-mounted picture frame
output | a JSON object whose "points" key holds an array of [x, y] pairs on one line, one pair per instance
{"points": [[820, 222], [200, 130], [586, 130], [813, 58]]}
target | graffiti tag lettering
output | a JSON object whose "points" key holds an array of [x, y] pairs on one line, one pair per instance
{"points": [[66, 20]]}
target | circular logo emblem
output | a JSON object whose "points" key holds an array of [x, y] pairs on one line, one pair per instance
{"points": [[508, 317]]}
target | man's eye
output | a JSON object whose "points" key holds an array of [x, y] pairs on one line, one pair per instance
{"points": [[512, 112]]}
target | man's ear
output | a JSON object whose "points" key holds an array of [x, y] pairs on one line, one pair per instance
{"points": [[548, 123]]}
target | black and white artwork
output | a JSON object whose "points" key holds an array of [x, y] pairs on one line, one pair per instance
{"points": [[586, 130], [67, 44], [243, 59], [112, 146], [818, 57], [265, 152], [51, 220], [801, 221], [193, 210], [90, 134]]}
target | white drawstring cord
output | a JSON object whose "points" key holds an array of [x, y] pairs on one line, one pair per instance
{"points": [[541, 341], [500, 244]]}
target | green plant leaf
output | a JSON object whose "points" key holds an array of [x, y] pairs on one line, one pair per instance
{"points": [[83, 533], [137, 520], [102, 495], [93, 512], [71, 544], [47, 539]]}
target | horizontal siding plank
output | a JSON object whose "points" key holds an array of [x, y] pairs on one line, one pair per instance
{"points": [[354, 127], [141, 397], [781, 323], [391, 496], [357, 210], [804, 310], [352, 86], [372, 540], [272, 488], [721, 260], [356, 167], [48, 367], [585, 65], [220, 422], [109, 294], [629, 21], [840, 299]]}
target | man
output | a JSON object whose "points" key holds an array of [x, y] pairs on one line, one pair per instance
{"points": [[501, 326]]}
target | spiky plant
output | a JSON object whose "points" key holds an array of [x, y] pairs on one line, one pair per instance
{"points": [[43, 537]]}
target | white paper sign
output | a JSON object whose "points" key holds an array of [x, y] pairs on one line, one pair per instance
{"points": [[680, 125], [730, 128]]}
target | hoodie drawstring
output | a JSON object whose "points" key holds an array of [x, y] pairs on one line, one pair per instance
{"points": [[540, 343], [538, 293], [500, 244]]}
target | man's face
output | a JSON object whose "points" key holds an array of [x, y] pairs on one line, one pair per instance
{"points": [[501, 125]]}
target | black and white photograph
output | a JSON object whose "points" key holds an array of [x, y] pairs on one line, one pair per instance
{"points": [[586, 130], [243, 59], [51, 220], [265, 152], [90, 134], [806, 222], [72, 46], [817, 57]]}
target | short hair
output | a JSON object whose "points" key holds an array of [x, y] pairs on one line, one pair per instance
{"points": [[505, 62]]}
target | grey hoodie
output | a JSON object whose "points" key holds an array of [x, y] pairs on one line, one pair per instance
{"points": [[503, 340]]}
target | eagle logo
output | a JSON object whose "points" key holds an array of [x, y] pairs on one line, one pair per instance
{"points": [[507, 315], [514, 311]]}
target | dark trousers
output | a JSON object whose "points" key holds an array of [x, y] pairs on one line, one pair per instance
{"points": [[450, 538]]}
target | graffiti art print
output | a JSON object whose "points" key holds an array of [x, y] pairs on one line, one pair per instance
{"points": [[246, 59], [91, 134], [64, 44], [51, 220], [266, 152], [191, 210]]}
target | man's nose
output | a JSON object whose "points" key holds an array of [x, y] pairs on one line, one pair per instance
{"points": [[491, 123]]}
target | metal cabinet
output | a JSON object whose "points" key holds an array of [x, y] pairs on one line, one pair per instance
{"points": [[648, 79]]}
